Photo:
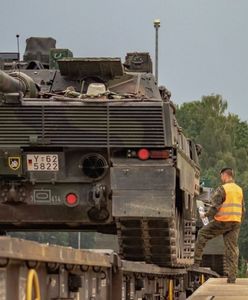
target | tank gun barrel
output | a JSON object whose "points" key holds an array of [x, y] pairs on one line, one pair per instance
{"points": [[17, 82]]}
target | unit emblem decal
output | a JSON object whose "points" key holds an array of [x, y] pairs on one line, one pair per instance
{"points": [[14, 162]]}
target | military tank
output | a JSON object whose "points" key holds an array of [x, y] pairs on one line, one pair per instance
{"points": [[94, 144]]}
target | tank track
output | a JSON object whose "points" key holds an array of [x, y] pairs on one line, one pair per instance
{"points": [[157, 241]]}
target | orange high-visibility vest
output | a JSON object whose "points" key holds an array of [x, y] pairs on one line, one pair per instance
{"points": [[231, 208]]}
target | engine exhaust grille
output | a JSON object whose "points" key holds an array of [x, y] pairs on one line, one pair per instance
{"points": [[100, 125]]}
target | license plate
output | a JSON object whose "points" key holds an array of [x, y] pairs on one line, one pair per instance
{"points": [[42, 162]]}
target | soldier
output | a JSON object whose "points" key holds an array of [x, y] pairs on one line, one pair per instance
{"points": [[228, 210]]}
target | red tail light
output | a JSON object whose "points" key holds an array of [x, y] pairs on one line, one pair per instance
{"points": [[159, 154], [143, 154], [71, 199]]}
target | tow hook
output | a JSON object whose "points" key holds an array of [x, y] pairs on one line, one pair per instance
{"points": [[98, 203]]}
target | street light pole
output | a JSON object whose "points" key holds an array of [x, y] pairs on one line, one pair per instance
{"points": [[156, 24], [79, 240]]}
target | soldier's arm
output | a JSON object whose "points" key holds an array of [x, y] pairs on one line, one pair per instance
{"points": [[216, 201]]}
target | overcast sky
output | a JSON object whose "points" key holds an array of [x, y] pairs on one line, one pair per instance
{"points": [[203, 44]]}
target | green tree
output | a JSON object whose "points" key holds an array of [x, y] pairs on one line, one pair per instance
{"points": [[224, 138]]}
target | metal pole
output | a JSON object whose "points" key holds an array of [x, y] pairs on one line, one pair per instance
{"points": [[79, 240], [156, 24]]}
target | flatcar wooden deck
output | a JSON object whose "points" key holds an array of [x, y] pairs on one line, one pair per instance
{"points": [[219, 289]]}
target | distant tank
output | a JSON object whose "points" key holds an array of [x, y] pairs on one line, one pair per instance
{"points": [[91, 143]]}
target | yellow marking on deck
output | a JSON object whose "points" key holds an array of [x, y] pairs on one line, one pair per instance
{"points": [[219, 289]]}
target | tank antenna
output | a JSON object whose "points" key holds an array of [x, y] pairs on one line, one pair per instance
{"points": [[156, 24], [18, 49]]}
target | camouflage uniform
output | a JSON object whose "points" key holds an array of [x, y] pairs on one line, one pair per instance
{"points": [[229, 230]]}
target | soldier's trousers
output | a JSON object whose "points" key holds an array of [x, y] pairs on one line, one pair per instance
{"points": [[230, 232]]}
